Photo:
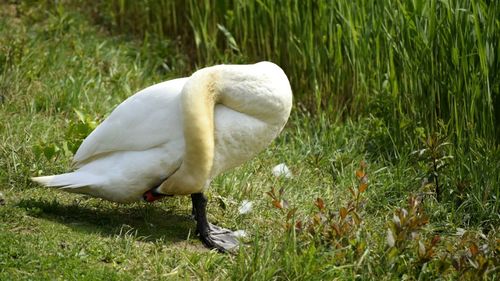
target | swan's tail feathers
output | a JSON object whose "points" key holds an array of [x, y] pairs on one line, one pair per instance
{"points": [[68, 180]]}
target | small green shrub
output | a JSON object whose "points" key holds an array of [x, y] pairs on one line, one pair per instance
{"points": [[435, 157], [76, 132]]}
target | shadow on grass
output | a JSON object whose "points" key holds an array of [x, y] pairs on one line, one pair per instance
{"points": [[148, 223]]}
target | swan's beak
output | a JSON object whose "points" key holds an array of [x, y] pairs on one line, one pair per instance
{"points": [[152, 195]]}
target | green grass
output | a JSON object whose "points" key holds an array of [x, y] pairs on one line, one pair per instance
{"points": [[55, 59]]}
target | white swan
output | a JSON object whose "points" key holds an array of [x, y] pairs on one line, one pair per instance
{"points": [[174, 137]]}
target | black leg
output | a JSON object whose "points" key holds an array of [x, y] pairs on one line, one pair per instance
{"points": [[212, 236], [200, 212], [193, 210]]}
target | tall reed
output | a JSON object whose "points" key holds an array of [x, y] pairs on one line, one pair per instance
{"points": [[408, 62]]}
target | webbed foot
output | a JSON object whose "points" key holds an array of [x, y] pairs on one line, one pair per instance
{"points": [[224, 240], [212, 236]]}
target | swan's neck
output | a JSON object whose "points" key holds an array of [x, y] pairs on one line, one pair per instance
{"points": [[199, 97]]}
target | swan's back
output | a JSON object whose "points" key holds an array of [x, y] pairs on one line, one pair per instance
{"points": [[142, 142], [147, 119]]}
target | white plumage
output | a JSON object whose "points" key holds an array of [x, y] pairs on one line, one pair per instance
{"points": [[143, 140]]}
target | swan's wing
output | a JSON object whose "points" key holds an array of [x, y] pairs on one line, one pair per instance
{"points": [[147, 119], [238, 138]]}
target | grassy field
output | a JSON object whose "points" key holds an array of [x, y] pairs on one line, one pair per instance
{"points": [[369, 198]]}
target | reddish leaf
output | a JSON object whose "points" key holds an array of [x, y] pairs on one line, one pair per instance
{"points": [[360, 174], [277, 204], [435, 240], [320, 204], [343, 213], [430, 253], [272, 193], [474, 250], [298, 225], [362, 187]]}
